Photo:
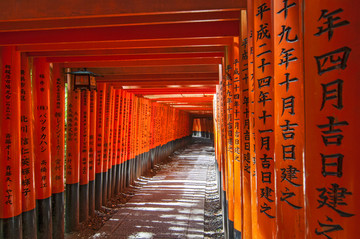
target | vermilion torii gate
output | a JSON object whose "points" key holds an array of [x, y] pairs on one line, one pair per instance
{"points": [[284, 111]]}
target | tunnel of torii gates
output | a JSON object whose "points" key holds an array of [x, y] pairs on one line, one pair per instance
{"points": [[273, 83]]}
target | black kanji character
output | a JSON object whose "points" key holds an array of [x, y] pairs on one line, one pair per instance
{"points": [[331, 133], [328, 228], [264, 208], [335, 93], [330, 22], [288, 131], [286, 195], [286, 8], [263, 32], [289, 174], [266, 193], [285, 32], [333, 197], [333, 60], [287, 57], [261, 9], [337, 164]]}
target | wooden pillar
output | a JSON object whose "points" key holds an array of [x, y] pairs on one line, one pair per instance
{"points": [[245, 128], [117, 109], [251, 85], [42, 145], [331, 53], [229, 96], [110, 144], [84, 155], [57, 109], [264, 118], [72, 161], [289, 115], [92, 152], [100, 123], [237, 131], [10, 157], [27, 148], [107, 128]]}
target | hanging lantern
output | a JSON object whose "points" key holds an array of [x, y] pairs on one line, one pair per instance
{"points": [[84, 79]]}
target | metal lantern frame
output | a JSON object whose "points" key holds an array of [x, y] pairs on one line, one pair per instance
{"points": [[88, 84]]}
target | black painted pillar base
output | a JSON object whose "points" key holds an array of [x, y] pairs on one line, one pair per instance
{"points": [[58, 215], [231, 229], [122, 177], [225, 215], [29, 225], [44, 218], [91, 198], [117, 179], [113, 179], [104, 188], [237, 234], [152, 158], [11, 227], [127, 173], [72, 207], [84, 205], [109, 173], [98, 190]]}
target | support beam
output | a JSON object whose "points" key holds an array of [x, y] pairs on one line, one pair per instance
{"points": [[124, 33], [132, 57], [124, 20], [91, 8], [129, 51], [116, 44], [149, 62]]}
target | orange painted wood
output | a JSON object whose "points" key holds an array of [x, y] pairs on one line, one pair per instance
{"points": [[245, 126], [107, 128], [10, 157], [57, 110], [112, 130], [124, 20], [100, 126], [93, 135], [237, 130], [73, 137], [264, 118], [159, 43], [289, 115], [251, 81], [124, 33], [118, 125], [92, 8], [148, 62], [229, 97], [174, 76], [27, 138], [332, 117], [129, 51], [61, 59], [84, 136], [42, 139]]}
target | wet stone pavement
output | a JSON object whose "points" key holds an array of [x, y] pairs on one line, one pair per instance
{"points": [[170, 204]]}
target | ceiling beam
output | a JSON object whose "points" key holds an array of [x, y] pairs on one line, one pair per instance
{"points": [[148, 62], [132, 57], [129, 51], [124, 33], [154, 43], [44, 9], [151, 77], [125, 20]]}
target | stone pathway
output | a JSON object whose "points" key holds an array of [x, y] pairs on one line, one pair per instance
{"points": [[170, 204]]}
